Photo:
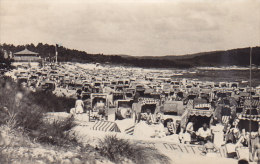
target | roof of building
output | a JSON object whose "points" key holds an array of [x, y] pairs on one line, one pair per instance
{"points": [[26, 52]]}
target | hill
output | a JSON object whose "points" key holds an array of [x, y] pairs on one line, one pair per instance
{"points": [[238, 57], [176, 57]]}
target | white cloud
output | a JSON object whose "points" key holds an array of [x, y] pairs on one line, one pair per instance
{"points": [[133, 27]]}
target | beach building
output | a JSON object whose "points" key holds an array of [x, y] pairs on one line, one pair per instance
{"points": [[26, 57]]}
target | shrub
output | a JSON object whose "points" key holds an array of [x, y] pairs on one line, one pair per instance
{"points": [[30, 117], [17, 108], [117, 150], [4, 158], [21, 108], [57, 132], [51, 102]]}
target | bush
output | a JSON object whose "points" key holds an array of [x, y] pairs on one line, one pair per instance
{"points": [[51, 102], [30, 117], [117, 150], [28, 107], [4, 158], [57, 133], [21, 108], [15, 106]]}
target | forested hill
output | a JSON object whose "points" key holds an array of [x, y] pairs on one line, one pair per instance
{"points": [[239, 57]]}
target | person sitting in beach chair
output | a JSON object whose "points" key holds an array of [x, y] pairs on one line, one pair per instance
{"points": [[189, 134], [204, 134], [150, 117], [101, 112], [170, 128], [233, 134], [210, 149], [143, 117], [159, 117]]}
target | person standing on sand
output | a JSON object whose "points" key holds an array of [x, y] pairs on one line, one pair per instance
{"points": [[218, 134], [256, 148], [79, 105]]}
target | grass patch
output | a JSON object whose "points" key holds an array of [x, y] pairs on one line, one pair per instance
{"points": [[57, 133], [4, 158], [20, 108], [118, 150]]}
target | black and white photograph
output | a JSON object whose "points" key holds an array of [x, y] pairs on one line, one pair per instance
{"points": [[129, 81]]}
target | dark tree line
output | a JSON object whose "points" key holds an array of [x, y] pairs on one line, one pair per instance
{"points": [[4, 63], [239, 57]]}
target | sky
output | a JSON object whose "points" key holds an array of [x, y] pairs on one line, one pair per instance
{"points": [[133, 27]]}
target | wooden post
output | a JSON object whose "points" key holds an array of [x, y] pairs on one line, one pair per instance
{"points": [[250, 112]]}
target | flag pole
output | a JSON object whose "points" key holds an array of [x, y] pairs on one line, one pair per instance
{"points": [[56, 52], [250, 111]]}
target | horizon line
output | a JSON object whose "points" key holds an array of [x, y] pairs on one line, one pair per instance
{"points": [[121, 54]]}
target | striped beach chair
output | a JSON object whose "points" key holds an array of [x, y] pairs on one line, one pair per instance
{"points": [[106, 126]]}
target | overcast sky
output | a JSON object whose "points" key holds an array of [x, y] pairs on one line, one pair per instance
{"points": [[133, 27]]}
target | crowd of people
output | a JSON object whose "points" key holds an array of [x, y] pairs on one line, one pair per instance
{"points": [[213, 114], [213, 136]]}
